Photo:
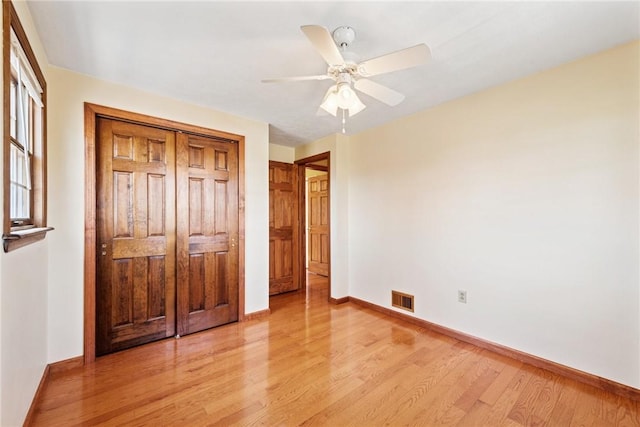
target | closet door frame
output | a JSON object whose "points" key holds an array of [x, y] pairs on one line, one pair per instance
{"points": [[91, 113]]}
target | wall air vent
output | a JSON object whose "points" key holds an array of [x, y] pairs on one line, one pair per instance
{"points": [[401, 300]]}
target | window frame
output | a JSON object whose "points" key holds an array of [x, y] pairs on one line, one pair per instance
{"points": [[35, 228]]}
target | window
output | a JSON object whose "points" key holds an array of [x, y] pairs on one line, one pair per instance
{"points": [[25, 132], [24, 138]]}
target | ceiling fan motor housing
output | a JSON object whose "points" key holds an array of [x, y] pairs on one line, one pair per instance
{"points": [[344, 36]]}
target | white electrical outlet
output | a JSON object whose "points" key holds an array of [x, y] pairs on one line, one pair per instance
{"points": [[462, 296]]}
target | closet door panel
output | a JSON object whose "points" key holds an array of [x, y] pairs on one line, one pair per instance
{"points": [[207, 224], [135, 272]]}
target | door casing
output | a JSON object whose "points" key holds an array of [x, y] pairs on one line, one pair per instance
{"points": [[91, 112]]}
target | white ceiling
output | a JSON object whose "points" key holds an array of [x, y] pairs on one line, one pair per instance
{"points": [[215, 53]]}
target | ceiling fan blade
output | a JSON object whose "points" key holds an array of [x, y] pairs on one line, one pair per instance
{"points": [[324, 44], [297, 79], [379, 92], [394, 61]]}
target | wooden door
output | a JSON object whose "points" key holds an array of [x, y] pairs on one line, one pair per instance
{"points": [[283, 232], [318, 217], [207, 225], [135, 220]]}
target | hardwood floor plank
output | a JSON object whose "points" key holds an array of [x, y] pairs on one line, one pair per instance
{"points": [[585, 413], [472, 394], [437, 381], [381, 400], [482, 414], [314, 363], [454, 386], [564, 408], [523, 411], [498, 387], [477, 415], [237, 416], [548, 398], [378, 381]]}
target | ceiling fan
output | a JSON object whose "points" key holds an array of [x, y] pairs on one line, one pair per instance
{"points": [[345, 72]]}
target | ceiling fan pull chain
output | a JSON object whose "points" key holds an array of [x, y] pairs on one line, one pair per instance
{"points": [[344, 120]]}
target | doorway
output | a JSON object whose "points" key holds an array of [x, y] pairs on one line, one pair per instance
{"points": [[314, 218], [164, 229]]}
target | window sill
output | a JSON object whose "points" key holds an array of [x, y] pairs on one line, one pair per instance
{"points": [[20, 238]]}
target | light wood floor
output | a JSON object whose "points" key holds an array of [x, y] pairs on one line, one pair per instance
{"points": [[313, 363]]}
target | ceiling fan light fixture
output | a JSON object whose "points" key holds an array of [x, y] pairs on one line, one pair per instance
{"points": [[356, 107], [346, 96], [330, 101]]}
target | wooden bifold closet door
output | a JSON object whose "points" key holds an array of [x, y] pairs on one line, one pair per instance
{"points": [[167, 207]]}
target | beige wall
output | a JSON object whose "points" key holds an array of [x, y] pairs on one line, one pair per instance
{"points": [[310, 173], [281, 153], [527, 197], [23, 301]]}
